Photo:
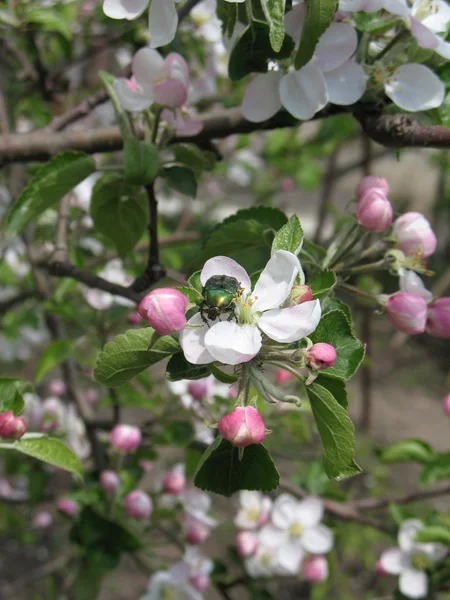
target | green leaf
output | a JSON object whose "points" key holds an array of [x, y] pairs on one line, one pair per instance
{"points": [[52, 357], [220, 470], [119, 211], [195, 283], [289, 237], [253, 50], [55, 179], [179, 368], [178, 433], [48, 450], [191, 156], [11, 391], [182, 179], [221, 376], [334, 386], [322, 283], [331, 303], [409, 450], [274, 13], [51, 20], [141, 161], [335, 329], [434, 534], [192, 294], [336, 432], [437, 469], [375, 23], [127, 355], [319, 15], [266, 215]]}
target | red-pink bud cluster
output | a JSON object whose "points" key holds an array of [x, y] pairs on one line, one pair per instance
{"points": [[407, 313], [68, 507], [320, 356], [11, 427], [110, 482], [243, 427], [373, 210], [138, 505], [125, 438]]}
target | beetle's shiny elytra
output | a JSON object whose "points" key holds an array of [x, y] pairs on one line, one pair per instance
{"points": [[219, 294]]}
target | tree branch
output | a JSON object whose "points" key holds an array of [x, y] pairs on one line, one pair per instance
{"points": [[376, 503], [7, 305]]}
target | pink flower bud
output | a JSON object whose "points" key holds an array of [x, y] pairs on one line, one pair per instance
{"points": [[11, 427], [174, 481], [283, 376], [438, 323], [287, 184], [243, 427], [57, 387], [315, 569], [196, 532], [447, 405], [134, 319], [42, 520], [170, 92], [146, 465], [164, 310], [246, 543], [68, 507], [379, 570], [198, 388], [407, 313], [91, 396], [414, 234], [5, 488], [320, 356], [138, 505], [300, 294], [370, 182], [200, 582], [110, 482], [374, 211], [125, 438]]}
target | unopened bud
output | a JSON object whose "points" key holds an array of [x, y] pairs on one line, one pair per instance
{"points": [[243, 427], [414, 234], [374, 211], [320, 356], [11, 427], [175, 481], [196, 532], [379, 569], [300, 294], [447, 405], [68, 507], [407, 313], [110, 482], [57, 387], [198, 388], [371, 181], [125, 438], [42, 520], [315, 569], [200, 581], [138, 505], [164, 309], [283, 376], [134, 319], [438, 322], [246, 543]]}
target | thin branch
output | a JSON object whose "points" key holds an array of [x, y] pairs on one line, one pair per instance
{"points": [[327, 190], [7, 305], [186, 9], [375, 503]]}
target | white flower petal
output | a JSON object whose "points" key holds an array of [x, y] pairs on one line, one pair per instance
{"points": [[283, 511], [233, 344], [304, 92], [443, 49], [286, 325], [289, 559], [415, 87], [222, 265], [413, 583], [147, 65], [276, 281], [192, 341], [124, 9], [271, 536], [393, 561], [396, 7], [411, 283], [262, 98], [425, 38], [336, 46], [129, 99], [438, 15], [407, 533], [162, 22], [293, 21], [309, 512], [317, 540], [364, 5], [346, 84]]}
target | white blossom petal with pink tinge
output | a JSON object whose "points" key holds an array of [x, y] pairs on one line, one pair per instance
{"points": [[192, 341], [233, 344], [317, 540], [147, 65], [393, 561], [425, 38], [336, 46], [286, 325], [262, 98], [437, 14], [162, 22], [124, 9], [309, 512], [304, 92], [407, 533], [129, 99], [415, 87], [411, 283], [276, 281], [222, 265], [289, 559], [346, 84], [413, 583], [293, 21]]}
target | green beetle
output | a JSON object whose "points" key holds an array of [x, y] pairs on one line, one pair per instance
{"points": [[219, 295]]}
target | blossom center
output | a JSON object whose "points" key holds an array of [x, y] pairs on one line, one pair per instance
{"points": [[167, 593], [252, 514], [420, 561], [296, 530], [244, 308], [426, 8]]}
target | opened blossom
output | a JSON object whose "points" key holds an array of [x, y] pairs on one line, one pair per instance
{"points": [[415, 235], [256, 312], [254, 510], [411, 559]]}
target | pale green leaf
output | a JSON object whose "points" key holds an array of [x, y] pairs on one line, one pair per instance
{"points": [[274, 13], [51, 358], [289, 237], [319, 16]]}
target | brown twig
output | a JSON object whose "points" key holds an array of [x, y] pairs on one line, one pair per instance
{"points": [[377, 503], [327, 189], [7, 305]]}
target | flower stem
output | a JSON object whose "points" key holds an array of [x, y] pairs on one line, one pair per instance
{"points": [[400, 37], [243, 385], [357, 292], [158, 111], [375, 266]]}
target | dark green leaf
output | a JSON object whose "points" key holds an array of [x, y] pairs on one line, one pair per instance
{"points": [[220, 470], [336, 432], [11, 391], [319, 15], [128, 354], [437, 469], [274, 13], [410, 450], [182, 179], [253, 50], [221, 376], [332, 303], [289, 237], [266, 215], [141, 161], [119, 211], [52, 357], [178, 433], [179, 368], [334, 386], [322, 283], [55, 179], [335, 329], [191, 156]]}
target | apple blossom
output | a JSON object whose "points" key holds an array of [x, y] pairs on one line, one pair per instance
{"points": [[300, 294], [11, 427], [138, 505], [369, 182], [411, 560], [246, 543], [438, 321], [197, 523], [200, 569], [192, 392], [414, 234], [374, 211], [175, 480], [146, 465], [254, 510], [68, 507], [57, 387], [42, 520], [182, 122], [320, 356], [379, 569], [243, 427], [407, 313], [196, 532], [163, 18], [173, 584], [233, 342], [53, 414], [110, 482], [125, 438], [411, 283], [164, 309], [446, 405], [315, 569]]}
